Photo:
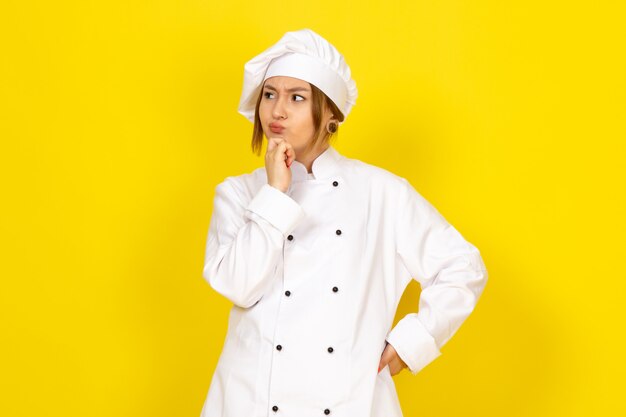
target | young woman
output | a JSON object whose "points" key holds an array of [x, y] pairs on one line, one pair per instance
{"points": [[315, 250]]}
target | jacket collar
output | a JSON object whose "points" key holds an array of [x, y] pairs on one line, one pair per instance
{"points": [[324, 166]]}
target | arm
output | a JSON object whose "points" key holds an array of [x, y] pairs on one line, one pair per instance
{"points": [[450, 271], [245, 241]]}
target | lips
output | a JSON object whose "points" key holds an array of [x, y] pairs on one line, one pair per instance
{"points": [[276, 128]]}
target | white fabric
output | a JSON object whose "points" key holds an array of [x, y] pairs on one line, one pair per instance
{"points": [[305, 55], [389, 235]]}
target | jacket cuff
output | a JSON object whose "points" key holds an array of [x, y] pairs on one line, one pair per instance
{"points": [[415, 346], [280, 210]]}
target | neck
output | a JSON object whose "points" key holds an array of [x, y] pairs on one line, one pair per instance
{"points": [[307, 159]]}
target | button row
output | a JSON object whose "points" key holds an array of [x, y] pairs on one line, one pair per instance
{"points": [[288, 293], [275, 409], [330, 348], [335, 183], [337, 232]]}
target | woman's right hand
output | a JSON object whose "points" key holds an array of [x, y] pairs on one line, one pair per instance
{"points": [[278, 159]]}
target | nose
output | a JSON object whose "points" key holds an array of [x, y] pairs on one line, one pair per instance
{"points": [[279, 111]]}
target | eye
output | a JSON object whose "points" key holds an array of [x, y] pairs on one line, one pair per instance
{"points": [[298, 95], [266, 94]]}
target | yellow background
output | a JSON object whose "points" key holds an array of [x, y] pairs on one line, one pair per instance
{"points": [[118, 119]]}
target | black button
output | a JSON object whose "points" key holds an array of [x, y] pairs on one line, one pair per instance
{"points": [[335, 183], [279, 347], [290, 237], [330, 350], [338, 232], [327, 411], [287, 293], [335, 289], [275, 408]]}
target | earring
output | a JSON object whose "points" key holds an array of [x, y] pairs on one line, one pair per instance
{"points": [[331, 127]]}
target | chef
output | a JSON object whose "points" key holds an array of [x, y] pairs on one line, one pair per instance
{"points": [[315, 249]]}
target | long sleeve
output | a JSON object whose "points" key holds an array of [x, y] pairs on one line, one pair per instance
{"points": [[245, 240], [450, 271]]}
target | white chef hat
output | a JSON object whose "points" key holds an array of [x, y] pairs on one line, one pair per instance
{"points": [[305, 55]]}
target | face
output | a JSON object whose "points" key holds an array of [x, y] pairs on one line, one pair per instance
{"points": [[285, 111]]}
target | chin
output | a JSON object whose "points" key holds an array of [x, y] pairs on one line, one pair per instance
{"points": [[275, 135]]}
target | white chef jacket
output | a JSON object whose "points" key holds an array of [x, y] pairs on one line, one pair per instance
{"points": [[315, 275]]}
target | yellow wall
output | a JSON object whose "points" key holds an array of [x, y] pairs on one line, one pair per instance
{"points": [[119, 118]]}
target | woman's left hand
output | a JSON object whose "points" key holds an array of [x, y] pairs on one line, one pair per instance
{"points": [[390, 357]]}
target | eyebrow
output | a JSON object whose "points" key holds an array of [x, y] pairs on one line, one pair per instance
{"points": [[290, 90]]}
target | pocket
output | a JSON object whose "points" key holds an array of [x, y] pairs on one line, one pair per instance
{"points": [[385, 402]]}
